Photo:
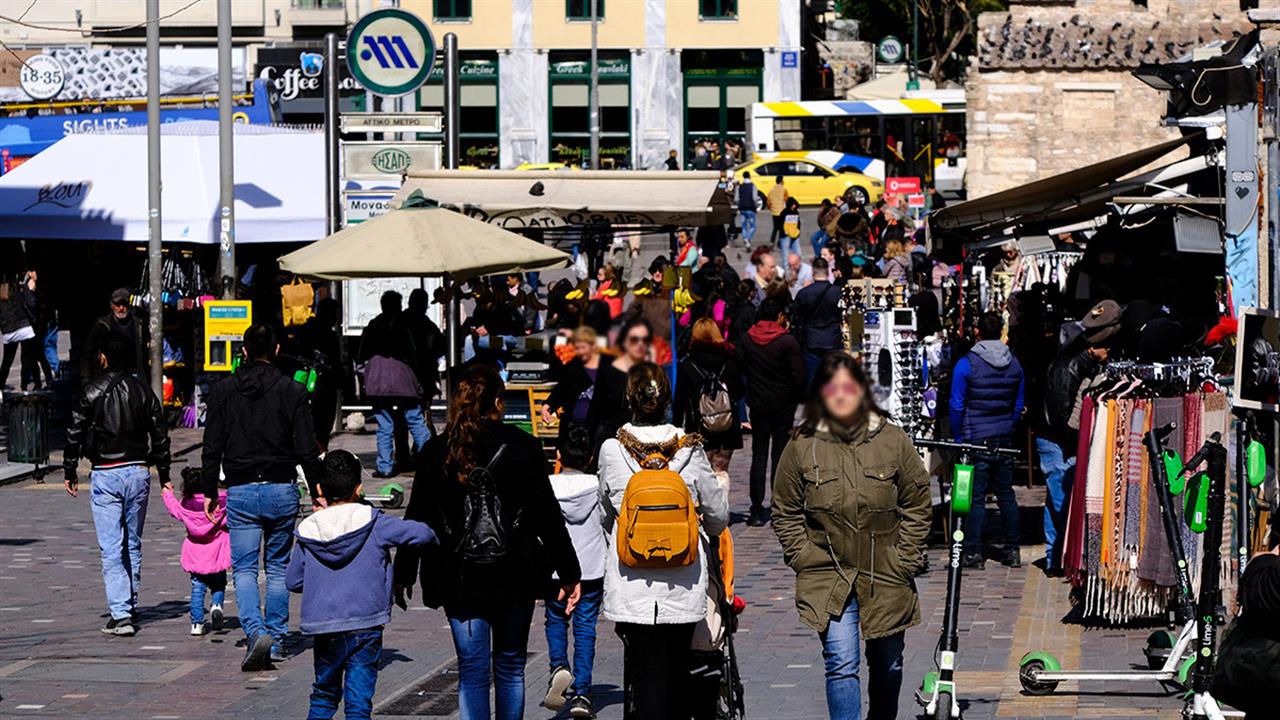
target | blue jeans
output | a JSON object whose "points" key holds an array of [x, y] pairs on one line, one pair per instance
{"points": [[260, 517], [819, 240], [788, 245], [346, 669], [996, 473], [812, 359], [119, 502], [384, 412], [215, 584], [842, 656], [491, 646], [748, 225], [51, 346], [1059, 476], [584, 638]]}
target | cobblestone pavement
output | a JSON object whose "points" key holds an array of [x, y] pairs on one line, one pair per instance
{"points": [[55, 663]]}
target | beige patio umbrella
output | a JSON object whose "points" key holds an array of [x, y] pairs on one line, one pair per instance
{"points": [[421, 239]]}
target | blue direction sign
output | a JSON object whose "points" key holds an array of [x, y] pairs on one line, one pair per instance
{"points": [[390, 52]]}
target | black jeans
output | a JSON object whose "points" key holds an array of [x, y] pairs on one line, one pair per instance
{"points": [[770, 430], [776, 234], [655, 670], [994, 473]]}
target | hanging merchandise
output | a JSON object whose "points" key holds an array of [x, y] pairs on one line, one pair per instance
{"points": [[1114, 550], [297, 302], [881, 330], [183, 282]]}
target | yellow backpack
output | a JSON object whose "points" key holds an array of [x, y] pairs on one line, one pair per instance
{"points": [[658, 520]]}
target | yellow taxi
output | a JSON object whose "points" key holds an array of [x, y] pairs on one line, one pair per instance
{"points": [[809, 182]]}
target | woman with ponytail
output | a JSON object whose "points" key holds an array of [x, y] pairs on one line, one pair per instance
{"points": [[482, 486]]}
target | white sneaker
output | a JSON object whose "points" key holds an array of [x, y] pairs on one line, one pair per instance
{"points": [[198, 629], [215, 617]]}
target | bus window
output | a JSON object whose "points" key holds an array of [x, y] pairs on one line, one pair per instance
{"points": [[895, 150], [858, 135], [921, 155]]}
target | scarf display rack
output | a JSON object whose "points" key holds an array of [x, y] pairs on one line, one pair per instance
{"points": [[1114, 546]]}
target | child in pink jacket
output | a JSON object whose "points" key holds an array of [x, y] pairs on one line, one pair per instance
{"points": [[206, 553]]}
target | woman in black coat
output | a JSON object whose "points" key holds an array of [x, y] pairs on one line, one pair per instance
{"points": [[487, 589], [572, 394], [709, 358]]}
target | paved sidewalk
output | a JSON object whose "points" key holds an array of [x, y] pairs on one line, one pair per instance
{"points": [[54, 662]]}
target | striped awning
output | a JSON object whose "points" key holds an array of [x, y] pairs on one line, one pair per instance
{"points": [[825, 108]]}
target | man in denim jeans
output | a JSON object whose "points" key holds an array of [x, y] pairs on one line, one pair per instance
{"points": [[258, 431], [123, 424]]}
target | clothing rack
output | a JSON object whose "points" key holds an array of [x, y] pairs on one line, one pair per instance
{"points": [[1199, 366]]}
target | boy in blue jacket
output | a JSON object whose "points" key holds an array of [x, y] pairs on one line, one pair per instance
{"points": [[342, 566]]}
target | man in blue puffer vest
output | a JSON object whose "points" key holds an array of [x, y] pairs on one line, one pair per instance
{"points": [[987, 391]]}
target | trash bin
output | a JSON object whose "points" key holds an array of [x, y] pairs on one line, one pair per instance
{"points": [[28, 427]]}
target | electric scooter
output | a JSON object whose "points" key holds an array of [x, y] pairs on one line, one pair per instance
{"points": [[1040, 672], [937, 693]]}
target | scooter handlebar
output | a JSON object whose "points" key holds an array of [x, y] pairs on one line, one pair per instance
{"points": [[966, 447], [1162, 433]]}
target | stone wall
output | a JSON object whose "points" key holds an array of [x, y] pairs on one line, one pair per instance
{"points": [[1025, 125], [851, 63], [1051, 89]]}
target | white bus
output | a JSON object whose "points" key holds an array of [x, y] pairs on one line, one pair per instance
{"points": [[920, 135]]}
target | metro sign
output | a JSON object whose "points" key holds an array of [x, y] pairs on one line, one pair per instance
{"points": [[390, 52]]}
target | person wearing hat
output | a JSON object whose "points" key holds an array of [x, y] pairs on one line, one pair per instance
{"points": [[1077, 362], [121, 320]]}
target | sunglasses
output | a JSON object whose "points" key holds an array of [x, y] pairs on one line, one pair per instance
{"points": [[637, 339], [832, 389]]}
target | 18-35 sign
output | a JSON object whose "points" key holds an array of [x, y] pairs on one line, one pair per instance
{"points": [[390, 52]]}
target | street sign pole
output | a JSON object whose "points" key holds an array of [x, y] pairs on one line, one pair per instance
{"points": [[155, 260], [451, 102], [332, 211], [913, 74], [226, 159]]}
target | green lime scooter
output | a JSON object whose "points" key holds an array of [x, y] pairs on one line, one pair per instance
{"points": [[937, 693]]}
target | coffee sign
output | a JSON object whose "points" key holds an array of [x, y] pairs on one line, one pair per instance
{"points": [[298, 72]]}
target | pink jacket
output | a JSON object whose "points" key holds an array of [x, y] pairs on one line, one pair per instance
{"points": [[207, 549]]}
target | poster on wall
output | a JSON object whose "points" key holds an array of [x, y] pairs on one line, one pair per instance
{"points": [[1258, 361], [84, 73]]}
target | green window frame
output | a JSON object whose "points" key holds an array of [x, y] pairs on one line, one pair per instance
{"points": [[581, 9], [451, 9], [718, 9]]}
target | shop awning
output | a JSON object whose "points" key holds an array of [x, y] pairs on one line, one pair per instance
{"points": [[94, 187], [1050, 195], [556, 199]]}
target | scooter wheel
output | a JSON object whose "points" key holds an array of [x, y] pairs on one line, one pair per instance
{"points": [[395, 496], [943, 709], [1159, 645], [1030, 683]]}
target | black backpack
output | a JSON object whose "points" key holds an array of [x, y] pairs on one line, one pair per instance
{"points": [[487, 534]]}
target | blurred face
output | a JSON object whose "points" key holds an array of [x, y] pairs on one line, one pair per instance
{"points": [[600, 274], [119, 311], [657, 276], [1100, 354], [636, 343], [584, 351], [768, 266], [842, 397], [793, 260], [828, 254]]}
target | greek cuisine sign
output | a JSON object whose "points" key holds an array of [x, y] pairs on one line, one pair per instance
{"points": [[390, 52]]}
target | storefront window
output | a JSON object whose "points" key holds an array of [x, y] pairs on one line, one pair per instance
{"points": [[720, 87], [581, 9], [478, 111], [570, 113], [452, 9]]}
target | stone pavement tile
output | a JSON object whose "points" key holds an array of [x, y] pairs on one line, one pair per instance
{"points": [[49, 571]]}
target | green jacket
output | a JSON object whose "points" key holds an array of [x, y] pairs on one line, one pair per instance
{"points": [[852, 518]]}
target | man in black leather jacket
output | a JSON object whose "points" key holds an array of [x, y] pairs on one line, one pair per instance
{"points": [[1055, 440], [259, 429], [118, 424]]}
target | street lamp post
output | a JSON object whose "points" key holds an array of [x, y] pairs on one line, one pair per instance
{"points": [[594, 99], [226, 159]]}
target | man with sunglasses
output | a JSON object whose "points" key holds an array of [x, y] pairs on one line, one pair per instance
{"points": [[123, 321]]}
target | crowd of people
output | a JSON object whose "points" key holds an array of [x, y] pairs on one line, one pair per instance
{"points": [[658, 384]]}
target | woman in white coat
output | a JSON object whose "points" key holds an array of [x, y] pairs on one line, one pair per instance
{"points": [[656, 609]]}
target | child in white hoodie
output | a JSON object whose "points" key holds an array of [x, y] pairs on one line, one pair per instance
{"points": [[579, 496]]}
